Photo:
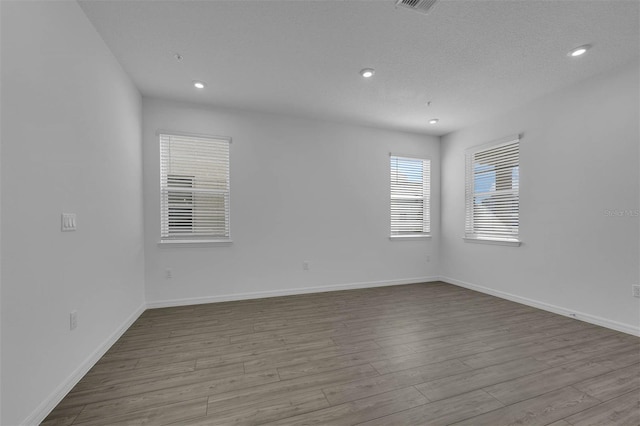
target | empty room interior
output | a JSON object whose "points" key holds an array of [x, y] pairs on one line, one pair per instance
{"points": [[384, 212]]}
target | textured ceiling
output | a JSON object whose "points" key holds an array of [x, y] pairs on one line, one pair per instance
{"points": [[471, 59]]}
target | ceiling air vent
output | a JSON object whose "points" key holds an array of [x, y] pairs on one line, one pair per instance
{"points": [[422, 6]]}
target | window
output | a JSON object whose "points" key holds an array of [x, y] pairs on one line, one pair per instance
{"points": [[410, 196], [492, 191], [194, 186]]}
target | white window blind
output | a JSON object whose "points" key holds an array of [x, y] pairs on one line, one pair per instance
{"points": [[492, 196], [194, 185], [410, 196]]}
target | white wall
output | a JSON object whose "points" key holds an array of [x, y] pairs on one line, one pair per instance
{"points": [[71, 127], [71, 124], [579, 157], [300, 190]]}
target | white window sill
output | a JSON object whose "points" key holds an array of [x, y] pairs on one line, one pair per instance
{"points": [[511, 243], [193, 243], [409, 237]]}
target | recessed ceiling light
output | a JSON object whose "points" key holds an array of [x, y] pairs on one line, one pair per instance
{"points": [[199, 84], [433, 121], [579, 51], [367, 72]]}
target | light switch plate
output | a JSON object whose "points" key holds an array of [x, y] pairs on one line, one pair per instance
{"points": [[73, 320], [68, 222]]}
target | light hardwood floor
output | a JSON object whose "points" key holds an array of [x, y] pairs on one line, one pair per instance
{"points": [[423, 354]]}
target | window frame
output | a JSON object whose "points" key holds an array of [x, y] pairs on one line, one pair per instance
{"points": [[202, 239], [427, 180], [470, 232]]}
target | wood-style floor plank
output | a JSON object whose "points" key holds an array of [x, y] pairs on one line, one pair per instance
{"points": [[442, 412], [560, 423], [61, 416], [429, 356], [621, 411], [366, 387], [163, 415], [281, 359], [476, 379], [220, 375], [542, 350], [94, 381], [613, 384], [102, 406], [257, 394], [536, 384], [342, 361], [423, 354], [359, 411], [267, 410], [541, 410]]}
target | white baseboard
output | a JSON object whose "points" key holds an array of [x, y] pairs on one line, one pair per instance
{"points": [[285, 292], [43, 410], [592, 319]]}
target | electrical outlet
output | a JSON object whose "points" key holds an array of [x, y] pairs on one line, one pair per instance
{"points": [[636, 290], [68, 222], [73, 320], [168, 274], [305, 265], [428, 259]]}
